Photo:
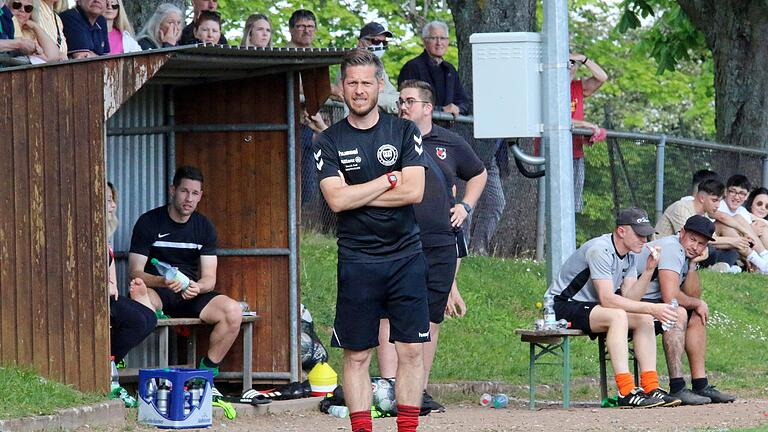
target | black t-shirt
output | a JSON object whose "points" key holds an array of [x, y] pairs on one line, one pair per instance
{"points": [[156, 235], [372, 234], [188, 36], [456, 159]]}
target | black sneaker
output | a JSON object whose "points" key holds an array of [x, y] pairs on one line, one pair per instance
{"points": [[637, 398], [690, 398], [427, 403], [715, 395], [669, 401]]}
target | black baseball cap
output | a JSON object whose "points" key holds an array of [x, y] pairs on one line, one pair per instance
{"points": [[701, 225], [373, 29], [636, 218]]}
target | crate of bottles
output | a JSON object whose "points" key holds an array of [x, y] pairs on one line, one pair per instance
{"points": [[175, 398]]}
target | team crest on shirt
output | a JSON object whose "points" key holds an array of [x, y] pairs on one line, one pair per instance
{"points": [[440, 152], [387, 155]]}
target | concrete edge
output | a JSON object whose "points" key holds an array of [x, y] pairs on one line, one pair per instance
{"points": [[110, 412]]}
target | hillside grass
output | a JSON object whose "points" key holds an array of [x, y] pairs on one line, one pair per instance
{"points": [[501, 296]]}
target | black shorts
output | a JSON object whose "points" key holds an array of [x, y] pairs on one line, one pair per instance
{"points": [[577, 313], [368, 291], [176, 307], [441, 262], [656, 323]]}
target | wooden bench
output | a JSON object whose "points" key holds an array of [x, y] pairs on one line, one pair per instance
{"points": [[557, 343], [163, 331]]}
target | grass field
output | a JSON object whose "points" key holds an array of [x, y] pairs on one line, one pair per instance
{"points": [[500, 296]]}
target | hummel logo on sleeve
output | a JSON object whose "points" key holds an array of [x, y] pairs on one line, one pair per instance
{"points": [[418, 147], [319, 161]]}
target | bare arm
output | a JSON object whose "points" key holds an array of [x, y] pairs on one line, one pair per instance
{"points": [[409, 189], [669, 282], [474, 189], [208, 265], [341, 197], [609, 299], [50, 50], [736, 222], [598, 78], [136, 263], [25, 46]]}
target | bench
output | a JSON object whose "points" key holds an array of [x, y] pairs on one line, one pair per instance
{"points": [[163, 331], [557, 343]]}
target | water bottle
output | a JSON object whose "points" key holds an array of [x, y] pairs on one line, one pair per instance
{"points": [[562, 324], [549, 312], [195, 394], [666, 325], [170, 273], [163, 391], [486, 400], [187, 401], [115, 376], [338, 411], [500, 401]]}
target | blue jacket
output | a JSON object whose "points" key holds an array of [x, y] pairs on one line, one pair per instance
{"points": [[443, 78], [6, 23]]}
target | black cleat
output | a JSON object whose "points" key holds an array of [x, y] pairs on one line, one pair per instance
{"points": [[715, 395], [669, 400], [427, 403], [690, 398], [637, 398]]}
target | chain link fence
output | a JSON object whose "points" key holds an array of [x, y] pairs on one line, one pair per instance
{"points": [[620, 172]]}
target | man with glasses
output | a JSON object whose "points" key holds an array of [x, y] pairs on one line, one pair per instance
{"points": [[86, 29], [739, 223], [302, 25], [433, 69], [438, 215], [188, 33]]}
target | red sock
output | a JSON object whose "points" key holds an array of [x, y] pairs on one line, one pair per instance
{"points": [[361, 421], [649, 380], [407, 418], [625, 382]]}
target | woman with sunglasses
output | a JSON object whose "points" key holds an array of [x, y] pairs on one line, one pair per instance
{"points": [[120, 29], [46, 14], [757, 205], [257, 32], [26, 28], [163, 29]]}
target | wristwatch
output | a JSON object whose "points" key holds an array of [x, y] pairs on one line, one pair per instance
{"points": [[392, 180], [466, 206]]}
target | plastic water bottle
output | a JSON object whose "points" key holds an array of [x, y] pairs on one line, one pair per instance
{"points": [[115, 376], [666, 325], [170, 273], [550, 323], [338, 411], [486, 400], [195, 394], [500, 401]]}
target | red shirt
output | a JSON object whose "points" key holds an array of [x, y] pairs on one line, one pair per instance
{"points": [[577, 113]]}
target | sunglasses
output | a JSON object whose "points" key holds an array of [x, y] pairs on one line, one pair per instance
{"points": [[114, 6], [27, 8]]}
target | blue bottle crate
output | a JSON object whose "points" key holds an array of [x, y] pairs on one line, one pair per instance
{"points": [[181, 411]]}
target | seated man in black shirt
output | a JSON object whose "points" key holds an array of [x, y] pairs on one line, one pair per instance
{"points": [[86, 29], [178, 235]]}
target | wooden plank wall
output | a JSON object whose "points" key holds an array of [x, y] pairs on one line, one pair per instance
{"points": [[245, 195], [54, 313]]}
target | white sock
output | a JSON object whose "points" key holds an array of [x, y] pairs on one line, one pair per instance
{"points": [[758, 261]]}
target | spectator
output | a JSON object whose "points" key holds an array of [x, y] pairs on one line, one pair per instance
{"points": [[677, 278], [26, 28], [302, 25], [198, 6], [580, 89], [257, 32], [438, 215], [163, 29], [598, 291], [736, 190], [9, 45], [130, 320], [208, 28], [371, 171], [441, 75], [46, 14], [757, 205], [121, 36], [491, 205], [698, 177], [180, 236], [86, 29]]}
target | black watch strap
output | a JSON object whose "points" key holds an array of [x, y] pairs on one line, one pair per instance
{"points": [[466, 206]]}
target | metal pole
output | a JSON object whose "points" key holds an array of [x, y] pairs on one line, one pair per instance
{"points": [[170, 155], [765, 171], [293, 302], [541, 215], [558, 152], [660, 147]]}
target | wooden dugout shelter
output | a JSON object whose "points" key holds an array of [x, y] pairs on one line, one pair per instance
{"points": [[65, 128]]}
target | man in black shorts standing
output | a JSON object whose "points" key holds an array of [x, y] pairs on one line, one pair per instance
{"points": [[371, 171], [437, 215], [585, 294], [178, 235]]}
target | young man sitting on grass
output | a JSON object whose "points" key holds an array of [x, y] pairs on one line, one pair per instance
{"points": [[585, 294]]}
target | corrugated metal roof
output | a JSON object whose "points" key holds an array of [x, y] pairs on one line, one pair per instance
{"points": [[196, 63]]}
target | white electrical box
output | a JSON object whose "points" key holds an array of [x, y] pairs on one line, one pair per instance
{"points": [[506, 84]]}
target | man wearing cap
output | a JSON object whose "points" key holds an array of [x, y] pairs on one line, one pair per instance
{"points": [[585, 293], [677, 278]]}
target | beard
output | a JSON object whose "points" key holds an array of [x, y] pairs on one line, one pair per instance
{"points": [[364, 110]]}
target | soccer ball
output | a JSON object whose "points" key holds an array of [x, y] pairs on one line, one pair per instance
{"points": [[383, 395]]}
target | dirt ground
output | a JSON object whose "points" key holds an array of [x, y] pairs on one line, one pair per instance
{"points": [[461, 417]]}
